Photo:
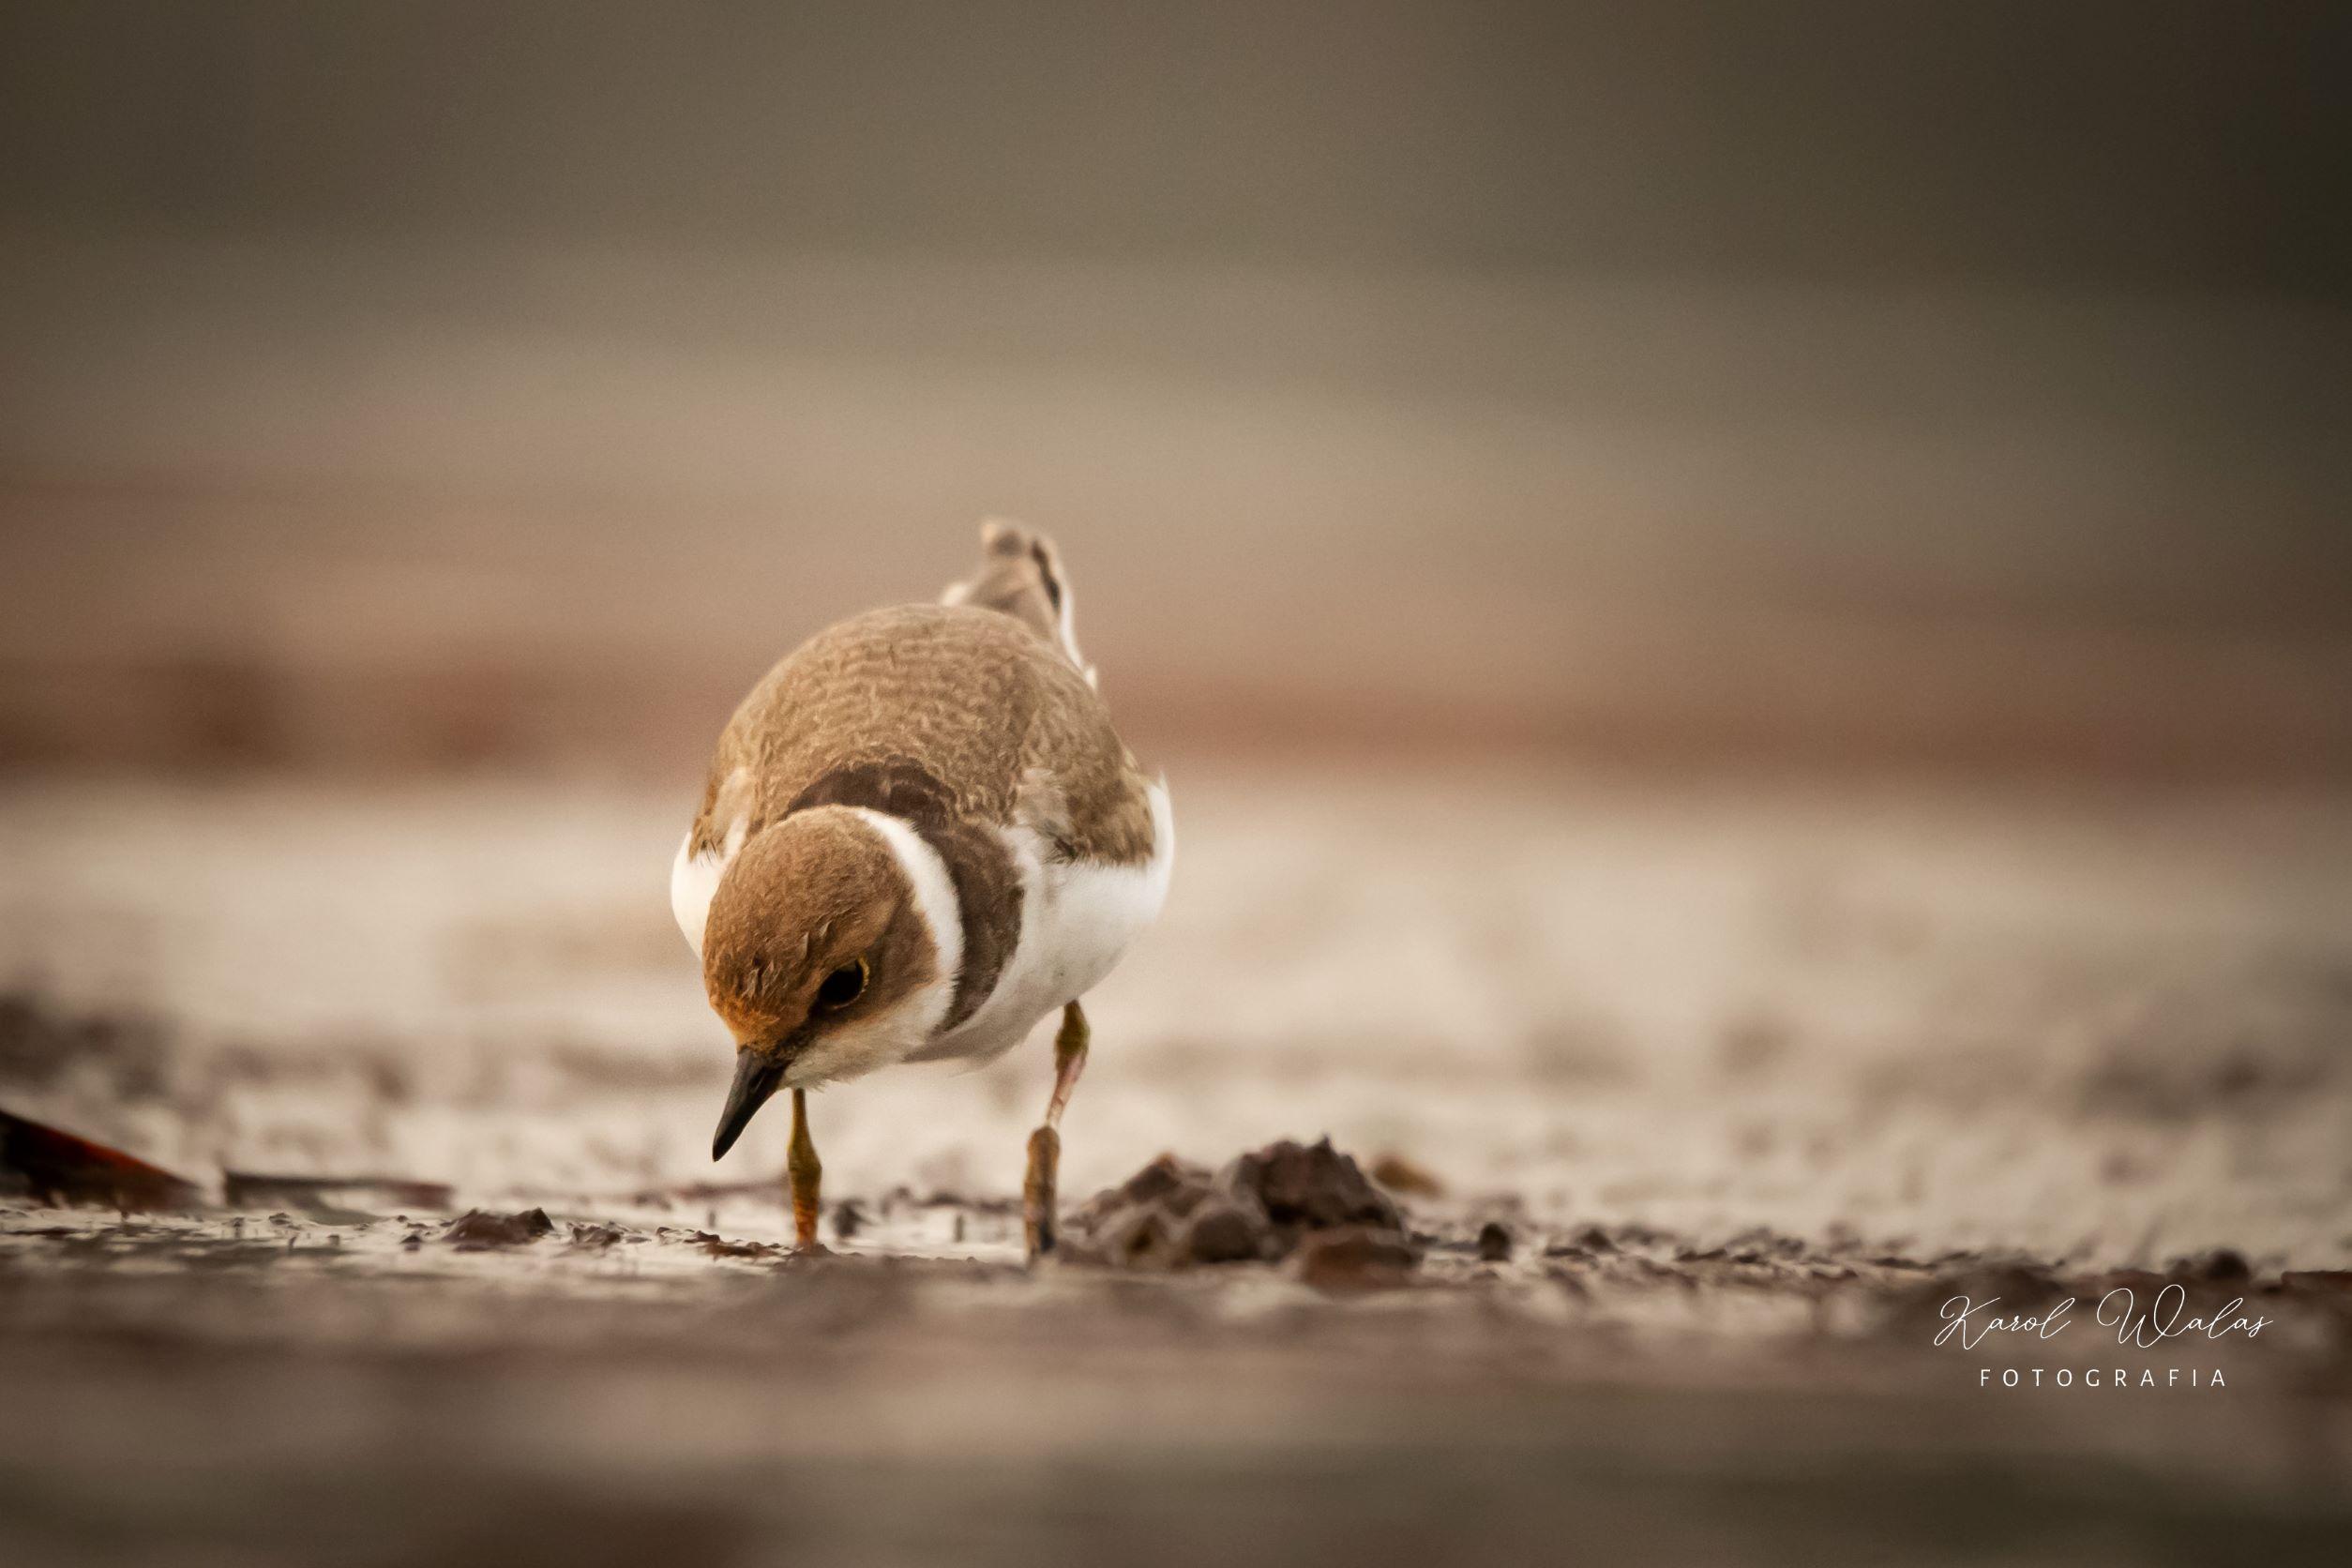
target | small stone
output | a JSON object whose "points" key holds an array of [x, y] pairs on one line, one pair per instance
{"points": [[1494, 1243], [848, 1219]]}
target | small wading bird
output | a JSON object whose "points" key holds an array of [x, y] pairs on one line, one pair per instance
{"points": [[920, 835]]}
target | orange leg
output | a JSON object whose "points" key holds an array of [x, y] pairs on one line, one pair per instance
{"points": [[800, 1165], [1040, 1214]]}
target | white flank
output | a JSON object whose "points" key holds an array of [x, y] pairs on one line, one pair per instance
{"points": [[900, 1030], [694, 882], [1077, 917]]}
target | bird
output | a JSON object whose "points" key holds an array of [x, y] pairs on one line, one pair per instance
{"points": [[920, 837]]}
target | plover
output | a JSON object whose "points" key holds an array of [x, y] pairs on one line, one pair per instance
{"points": [[920, 837]]}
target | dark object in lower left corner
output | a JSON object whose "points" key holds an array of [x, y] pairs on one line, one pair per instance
{"points": [[59, 1168]]}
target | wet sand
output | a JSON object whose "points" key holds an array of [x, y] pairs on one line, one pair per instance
{"points": [[1753, 1081], [272, 1389]]}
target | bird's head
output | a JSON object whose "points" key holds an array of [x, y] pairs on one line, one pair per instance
{"points": [[822, 953]]}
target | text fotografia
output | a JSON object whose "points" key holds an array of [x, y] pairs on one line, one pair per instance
{"points": [[1969, 1323], [2102, 1377]]}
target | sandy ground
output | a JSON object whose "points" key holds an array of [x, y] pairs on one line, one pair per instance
{"points": [[1754, 1077]]}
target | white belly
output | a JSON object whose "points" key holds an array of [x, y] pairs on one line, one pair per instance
{"points": [[1077, 920]]}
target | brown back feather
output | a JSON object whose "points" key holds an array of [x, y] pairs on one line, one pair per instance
{"points": [[1021, 575], [969, 699]]}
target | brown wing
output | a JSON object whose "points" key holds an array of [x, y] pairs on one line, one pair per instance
{"points": [[937, 713]]}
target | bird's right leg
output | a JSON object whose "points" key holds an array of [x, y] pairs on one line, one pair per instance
{"points": [[800, 1165], [1040, 1205]]}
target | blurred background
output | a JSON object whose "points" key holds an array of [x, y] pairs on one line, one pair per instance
{"points": [[430, 387], [1747, 612], [1675, 555]]}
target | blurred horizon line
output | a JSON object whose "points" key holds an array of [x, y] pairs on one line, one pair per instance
{"points": [[1989, 691]]}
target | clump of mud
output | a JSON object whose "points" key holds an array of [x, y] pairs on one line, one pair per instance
{"points": [[480, 1228], [1308, 1204]]}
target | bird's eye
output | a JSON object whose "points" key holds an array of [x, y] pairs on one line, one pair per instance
{"points": [[843, 985]]}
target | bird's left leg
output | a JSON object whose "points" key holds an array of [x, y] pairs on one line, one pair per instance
{"points": [[799, 1165], [1040, 1217]]}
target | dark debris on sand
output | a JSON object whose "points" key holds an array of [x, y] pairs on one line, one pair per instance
{"points": [[58, 1166], [714, 1246], [54, 1166], [1308, 1204], [479, 1228], [597, 1235]]}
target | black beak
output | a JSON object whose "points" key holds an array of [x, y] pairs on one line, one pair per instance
{"points": [[756, 1075]]}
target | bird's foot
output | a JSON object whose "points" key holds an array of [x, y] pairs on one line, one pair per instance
{"points": [[1040, 1216]]}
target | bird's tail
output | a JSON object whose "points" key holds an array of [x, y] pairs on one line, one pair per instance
{"points": [[1020, 574]]}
